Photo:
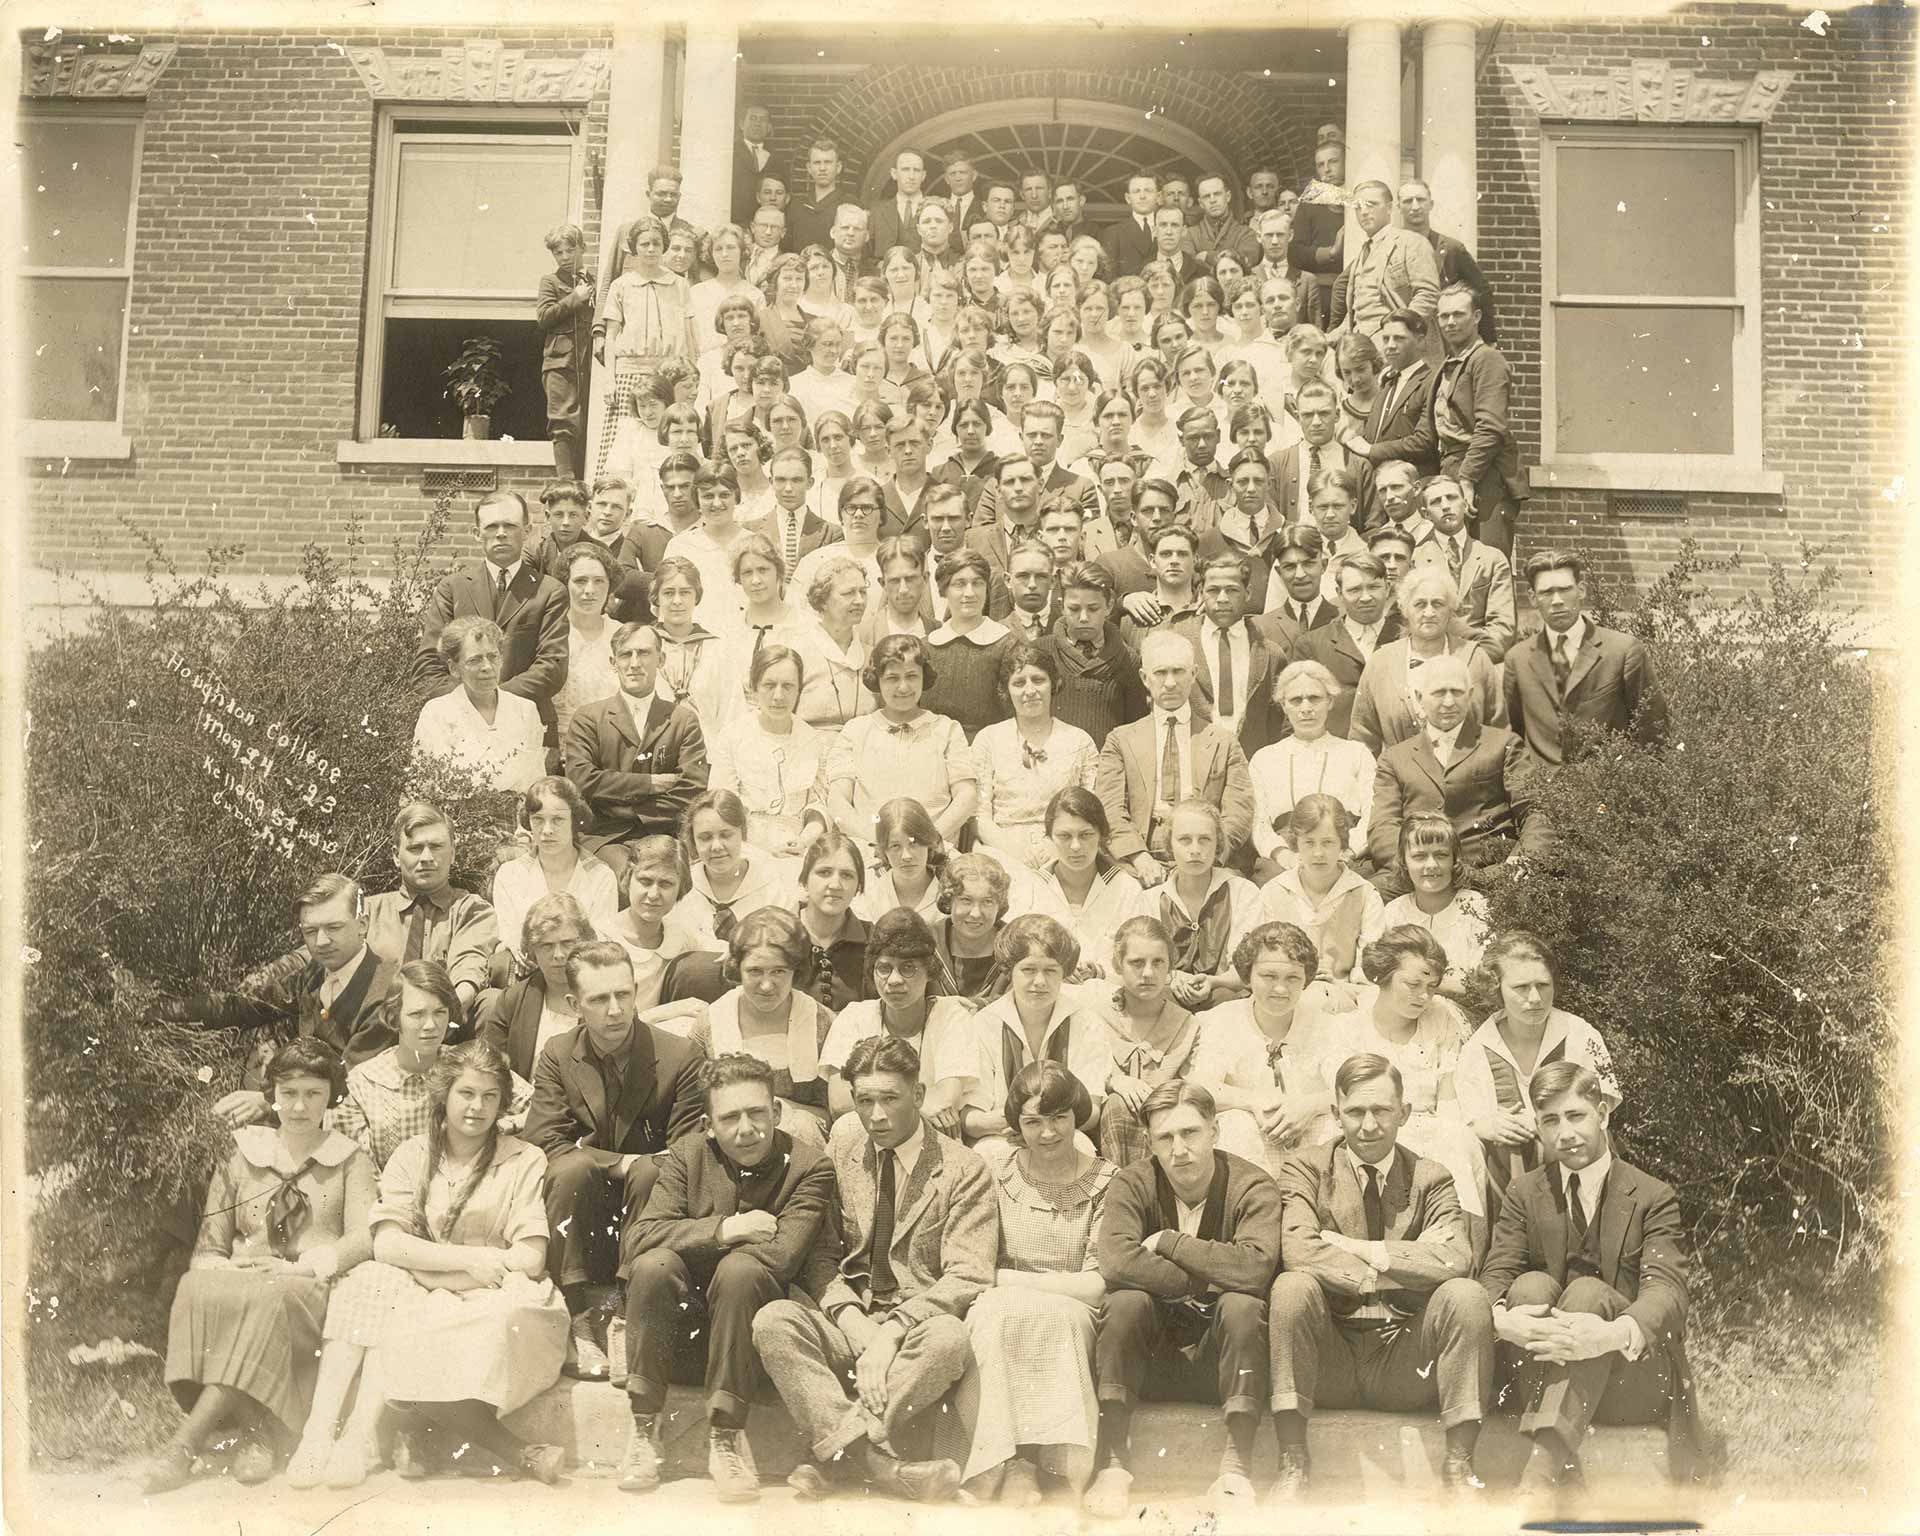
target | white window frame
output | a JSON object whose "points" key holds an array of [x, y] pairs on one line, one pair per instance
{"points": [[91, 439], [1741, 470], [384, 303]]}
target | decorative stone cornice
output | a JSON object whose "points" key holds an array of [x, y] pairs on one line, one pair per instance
{"points": [[74, 70], [483, 70], [1650, 91]]}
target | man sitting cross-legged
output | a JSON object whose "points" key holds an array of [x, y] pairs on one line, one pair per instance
{"points": [[729, 1224], [1374, 1308], [913, 1236], [1587, 1271], [1188, 1245]]}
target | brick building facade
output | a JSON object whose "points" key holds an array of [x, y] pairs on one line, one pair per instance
{"points": [[242, 408]]}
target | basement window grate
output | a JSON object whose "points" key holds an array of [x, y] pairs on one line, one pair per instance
{"points": [[436, 482], [1647, 506]]}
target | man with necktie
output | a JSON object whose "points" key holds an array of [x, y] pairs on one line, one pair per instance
{"points": [[1292, 580], [1129, 242], [1400, 426], [896, 220], [429, 917], [751, 157], [1375, 1306], [911, 1239], [1393, 270], [1470, 422], [1575, 669], [1480, 572], [1587, 1272]]}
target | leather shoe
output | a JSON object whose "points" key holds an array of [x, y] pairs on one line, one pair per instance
{"points": [[171, 1469], [586, 1355], [924, 1482], [1458, 1474], [408, 1460], [543, 1463], [809, 1483], [253, 1462], [1292, 1479]]}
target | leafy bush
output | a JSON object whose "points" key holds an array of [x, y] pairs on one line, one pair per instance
{"points": [[156, 863], [1724, 913]]}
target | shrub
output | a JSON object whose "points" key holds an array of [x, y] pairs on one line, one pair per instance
{"points": [[141, 882], [1723, 912]]}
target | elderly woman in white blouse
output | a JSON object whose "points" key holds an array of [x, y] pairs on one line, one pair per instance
{"points": [[773, 760], [833, 688], [479, 728], [590, 575], [1022, 763], [1311, 761], [1385, 710]]}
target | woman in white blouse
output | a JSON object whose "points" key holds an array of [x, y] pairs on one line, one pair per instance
{"points": [[900, 961], [1311, 761], [556, 820], [1457, 917], [773, 760], [900, 745], [590, 575], [833, 657], [1084, 889], [478, 729], [1322, 894], [1022, 763], [730, 879]]}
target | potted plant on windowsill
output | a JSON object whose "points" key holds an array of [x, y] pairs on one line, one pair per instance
{"points": [[475, 385]]}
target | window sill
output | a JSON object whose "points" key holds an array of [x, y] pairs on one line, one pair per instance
{"points": [[446, 452], [74, 440], [1627, 474]]}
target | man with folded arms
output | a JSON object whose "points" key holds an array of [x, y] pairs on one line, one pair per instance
{"points": [[1374, 1307]]}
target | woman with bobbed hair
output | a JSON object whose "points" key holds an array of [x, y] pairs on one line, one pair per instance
{"points": [[1084, 887], [785, 283], [771, 758], [1438, 902], [1153, 432], [1163, 288], [1308, 760], [1074, 390], [1153, 1037], [770, 1013], [1385, 710], [1402, 1016], [1358, 362], [975, 898], [591, 575], [728, 878], [1203, 301], [909, 854], [723, 252], [1527, 1033], [1088, 259], [973, 464], [900, 744], [286, 1214], [900, 271], [1032, 1019], [1259, 1055], [968, 649], [483, 1330], [556, 818], [1205, 908], [900, 1004], [832, 875], [1027, 1402], [478, 728], [1322, 894], [1022, 763], [533, 1008]]}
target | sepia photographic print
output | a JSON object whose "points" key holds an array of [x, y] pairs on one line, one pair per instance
{"points": [[895, 767]]}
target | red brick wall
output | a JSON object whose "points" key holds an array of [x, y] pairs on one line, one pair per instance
{"points": [[1834, 166], [243, 366]]}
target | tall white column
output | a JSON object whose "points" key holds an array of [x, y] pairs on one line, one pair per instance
{"points": [[636, 129], [707, 122], [1373, 110], [1448, 161]]}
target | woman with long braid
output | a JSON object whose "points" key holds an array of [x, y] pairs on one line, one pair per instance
{"points": [[483, 1330]]}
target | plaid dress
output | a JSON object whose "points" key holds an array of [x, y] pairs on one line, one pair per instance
{"points": [[1123, 1139]]}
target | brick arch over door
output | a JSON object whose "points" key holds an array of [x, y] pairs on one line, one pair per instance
{"points": [[1231, 113]]}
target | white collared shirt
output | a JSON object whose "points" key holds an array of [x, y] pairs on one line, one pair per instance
{"points": [[1366, 636], [1181, 721], [984, 633], [1593, 1179], [1569, 644], [905, 1156], [493, 573], [1442, 743], [1407, 375], [334, 982], [1188, 1217], [1240, 651]]}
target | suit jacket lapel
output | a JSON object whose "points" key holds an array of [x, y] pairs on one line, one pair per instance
{"points": [[1396, 1200], [637, 1088], [1344, 1202], [1201, 754], [593, 1094], [921, 1187], [1584, 662], [1464, 743], [1616, 1204], [1553, 1224], [519, 590], [1423, 754]]}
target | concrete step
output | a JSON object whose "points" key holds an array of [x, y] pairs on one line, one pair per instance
{"points": [[1176, 1447]]}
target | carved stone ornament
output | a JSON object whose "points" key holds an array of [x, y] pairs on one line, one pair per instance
{"points": [[71, 70], [482, 71], [1651, 91]]}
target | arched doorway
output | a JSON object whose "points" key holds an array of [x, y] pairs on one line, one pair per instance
{"points": [[1095, 144]]}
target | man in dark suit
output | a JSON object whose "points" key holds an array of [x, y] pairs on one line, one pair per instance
{"points": [[1476, 775], [810, 219], [729, 1226], [607, 1095], [1587, 1271], [1170, 244], [1318, 448], [751, 157], [964, 202], [895, 220], [529, 607], [1470, 422], [1288, 580], [334, 987], [637, 758], [1320, 225], [1574, 668], [1016, 491], [1400, 426], [791, 526], [1375, 1306], [1367, 621], [1041, 430], [1455, 261], [1233, 680], [1129, 243]]}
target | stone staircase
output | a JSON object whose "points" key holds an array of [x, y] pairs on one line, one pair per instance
{"points": [[1357, 1455]]}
